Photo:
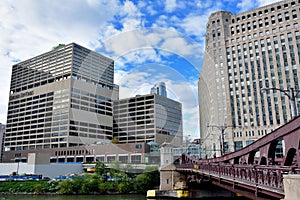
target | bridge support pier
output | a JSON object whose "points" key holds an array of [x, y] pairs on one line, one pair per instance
{"points": [[291, 183], [169, 177]]}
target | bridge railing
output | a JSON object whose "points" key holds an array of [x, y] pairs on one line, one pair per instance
{"points": [[269, 178]]}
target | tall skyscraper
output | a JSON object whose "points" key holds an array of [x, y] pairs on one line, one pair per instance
{"points": [[2, 132], [245, 53], [147, 118], [159, 88], [62, 98]]}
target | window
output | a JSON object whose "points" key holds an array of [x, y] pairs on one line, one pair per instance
{"points": [[287, 17], [273, 19], [279, 16], [238, 145], [294, 14]]}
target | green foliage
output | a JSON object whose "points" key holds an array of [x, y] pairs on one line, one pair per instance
{"points": [[88, 184], [77, 182], [125, 186], [65, 187], [106, 186], [148, 180], [38, 189], [100, 168], [142, 183]]}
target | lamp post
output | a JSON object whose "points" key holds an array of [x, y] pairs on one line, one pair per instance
{"points": [[222, 128], [291, 94]]}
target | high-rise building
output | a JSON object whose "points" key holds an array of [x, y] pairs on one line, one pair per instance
{"points": [[245, 53], [147, 118], [62, 98], [2, 133], [159, 88]]}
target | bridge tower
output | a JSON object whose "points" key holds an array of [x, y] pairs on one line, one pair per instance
{"points": [[168, 176]]}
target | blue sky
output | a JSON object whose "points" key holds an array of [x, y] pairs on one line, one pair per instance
{"points": [[150, 41]]}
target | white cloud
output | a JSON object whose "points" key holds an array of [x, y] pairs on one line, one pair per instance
{"points": [[266, 2], [29, 28], [138, 46], [170, 5], [246, 5], [5, 73], [151, 10], [132, 83]]}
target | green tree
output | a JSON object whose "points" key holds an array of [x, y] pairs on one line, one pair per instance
{"points": [[77, 182], [142, 183], [149, 179], [38, 189], [106, 186], [100, 168], [89, 184], [125, 186], [154, 175], [65, 187]]}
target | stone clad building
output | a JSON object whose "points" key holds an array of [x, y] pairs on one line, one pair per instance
{"points": [[245, 53]]}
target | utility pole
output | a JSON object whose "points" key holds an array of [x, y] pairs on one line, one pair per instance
{"points": [[222, 128], [291, 94]]}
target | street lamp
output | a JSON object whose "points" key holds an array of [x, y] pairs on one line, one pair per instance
{"points": [[291, 94], [222, 128]]}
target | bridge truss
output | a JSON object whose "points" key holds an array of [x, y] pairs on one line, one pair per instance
{"points": [[254, 171]]}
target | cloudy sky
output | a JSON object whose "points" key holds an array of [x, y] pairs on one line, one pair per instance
{"points": [[150, 41]]}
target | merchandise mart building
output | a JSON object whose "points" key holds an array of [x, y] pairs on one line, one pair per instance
{"points": [[245, 53], [62, 98]]}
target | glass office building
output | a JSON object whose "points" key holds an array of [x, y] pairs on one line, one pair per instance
{"points": [[62, 98], [148, 118], [245, 53], [159, 88]]}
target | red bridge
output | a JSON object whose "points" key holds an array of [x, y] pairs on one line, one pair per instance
{"points": [[254, 171]]}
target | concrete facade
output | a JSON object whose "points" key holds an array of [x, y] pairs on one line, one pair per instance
{"points": [[245, 53], [123, 153], [169, 177], [2, 134], [291, 185], [49, 170]]}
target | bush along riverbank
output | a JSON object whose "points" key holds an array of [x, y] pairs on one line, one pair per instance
{"points": [[98, 183]]}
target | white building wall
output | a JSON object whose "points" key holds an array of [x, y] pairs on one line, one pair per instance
{"points": [[51, 170]]}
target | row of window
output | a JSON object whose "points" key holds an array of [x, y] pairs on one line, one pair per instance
{"points": [[132, 101], [38, 146], [263, 33], [121, 159], [265, 11], [86, 53], [261, 64], [90, 125], [250, 133], [49, 56], [42, 81], [265, 22]]}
